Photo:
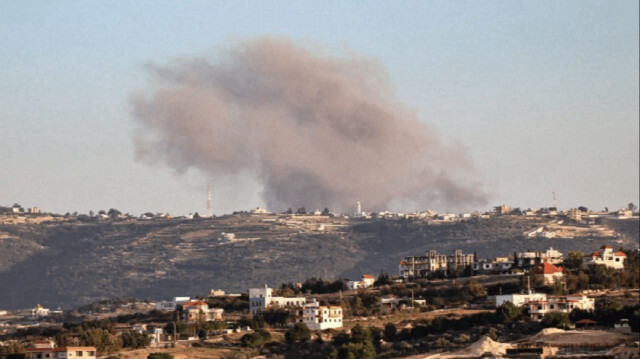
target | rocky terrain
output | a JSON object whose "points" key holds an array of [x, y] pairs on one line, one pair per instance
{"points": [[66, 261]]}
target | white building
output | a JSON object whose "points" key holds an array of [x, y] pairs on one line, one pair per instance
{"points": [[519, 299], [39, 311], [366, 282], [607, 257], [537, 309], [262, 298], [172, 304], [539, 304], [320, 317]]}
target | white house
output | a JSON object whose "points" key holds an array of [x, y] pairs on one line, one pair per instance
{"points": [[519, 299], [39, 311], [366, 282], [320, 317], [262, 298], [607, 257], [539, 304]]}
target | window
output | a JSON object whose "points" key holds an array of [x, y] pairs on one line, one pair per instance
{"points": [[91, 353], [79, 353]]}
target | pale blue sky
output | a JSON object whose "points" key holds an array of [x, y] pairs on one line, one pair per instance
{"points": [[542, 94]]}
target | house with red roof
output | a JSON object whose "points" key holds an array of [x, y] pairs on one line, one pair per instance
{"points": [[43, 350], [607, 256], [548, 273], [195, 310]]}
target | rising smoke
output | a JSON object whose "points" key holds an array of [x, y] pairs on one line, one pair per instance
{"points": [[316, 130]]}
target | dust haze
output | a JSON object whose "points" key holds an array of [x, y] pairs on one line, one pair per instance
{"points": [[315, 129]]}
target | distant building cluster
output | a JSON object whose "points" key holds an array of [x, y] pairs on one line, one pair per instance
{"points": [[540, 263]]}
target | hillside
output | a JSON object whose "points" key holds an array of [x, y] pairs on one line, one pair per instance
{"points": [[66, 261]]}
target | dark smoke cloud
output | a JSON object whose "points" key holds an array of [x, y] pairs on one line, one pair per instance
{"points": [[316, 130]]}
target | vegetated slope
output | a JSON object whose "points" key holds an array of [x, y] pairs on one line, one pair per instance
{"points": [[75, 262], [81, 262]]}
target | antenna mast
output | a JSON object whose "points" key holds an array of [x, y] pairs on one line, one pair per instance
{"points": [[209, 210], [555, 205]]}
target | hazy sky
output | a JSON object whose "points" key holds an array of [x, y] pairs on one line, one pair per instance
{"points": [[542, 95]]}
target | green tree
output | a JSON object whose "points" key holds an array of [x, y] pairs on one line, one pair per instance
{"points": [[390, 333], [160, 356], [508, 312], [574, 261], [556, 320], [256, 339], [299, 333], [475, 289]]}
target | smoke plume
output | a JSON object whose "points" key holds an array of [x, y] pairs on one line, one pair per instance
{"points": [[315, 129]]}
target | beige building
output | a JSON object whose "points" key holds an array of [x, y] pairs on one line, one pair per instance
{"points": [[198, 310], [48, 350]]}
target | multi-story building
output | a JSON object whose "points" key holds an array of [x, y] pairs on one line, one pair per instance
{"points": [[530, 259], [320, 317], [262, 298], [411, 267], [607, 257]]}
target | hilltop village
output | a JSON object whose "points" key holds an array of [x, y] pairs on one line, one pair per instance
{"points": [[518, 304]]}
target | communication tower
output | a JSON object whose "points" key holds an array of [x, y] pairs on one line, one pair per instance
{"points": [[209, 210]]}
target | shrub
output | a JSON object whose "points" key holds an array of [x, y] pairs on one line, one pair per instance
{"points": [[160, 356], [257, 339]]}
